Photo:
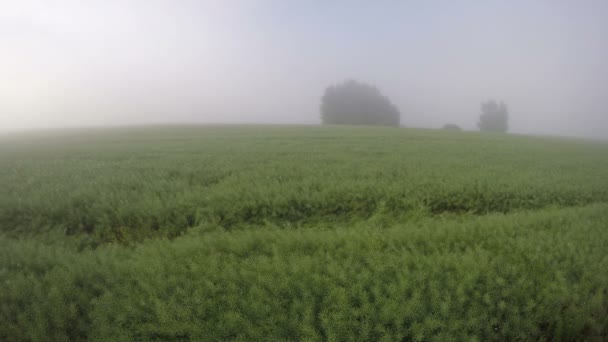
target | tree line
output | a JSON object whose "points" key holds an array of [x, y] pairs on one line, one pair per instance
{"points": [[356, 103]]}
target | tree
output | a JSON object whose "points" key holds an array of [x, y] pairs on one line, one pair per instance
{"points": [[494, 117], [452, 127], [355, 103]]}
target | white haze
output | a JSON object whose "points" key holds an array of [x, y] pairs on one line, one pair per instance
{"points": [[68, 63]]}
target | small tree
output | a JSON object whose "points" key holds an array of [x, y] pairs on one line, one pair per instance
{"points": [[494, 117], [355, 103]]}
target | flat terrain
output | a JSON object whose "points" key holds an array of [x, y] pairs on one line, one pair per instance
{"points": [[301, 233]]}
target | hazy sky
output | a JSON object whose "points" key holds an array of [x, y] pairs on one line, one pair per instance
{"points": [[112, 62]]}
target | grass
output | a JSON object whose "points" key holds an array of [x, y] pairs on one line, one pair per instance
{"points": [[301, 233]]}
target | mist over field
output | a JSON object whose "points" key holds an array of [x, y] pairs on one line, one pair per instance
{"points": [[71, 63], [303, 171]]}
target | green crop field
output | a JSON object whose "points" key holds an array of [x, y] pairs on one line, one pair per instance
{"points": [[258, 233]]}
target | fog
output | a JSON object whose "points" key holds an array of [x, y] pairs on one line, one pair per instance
{"points": [[68, 63]]}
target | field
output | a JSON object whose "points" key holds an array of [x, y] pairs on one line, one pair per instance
{"points": [[313, 233]]}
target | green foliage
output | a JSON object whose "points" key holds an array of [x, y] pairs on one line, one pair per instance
{"points": [[126, 185], [355, 103], [534, 275], [302, 233]]}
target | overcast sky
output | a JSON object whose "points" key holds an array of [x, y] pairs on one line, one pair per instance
{"points": [[115, 62]]}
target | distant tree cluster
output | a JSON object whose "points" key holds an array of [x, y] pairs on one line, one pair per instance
{"points": [[494, 117], [452, 127], [355, 103]]}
